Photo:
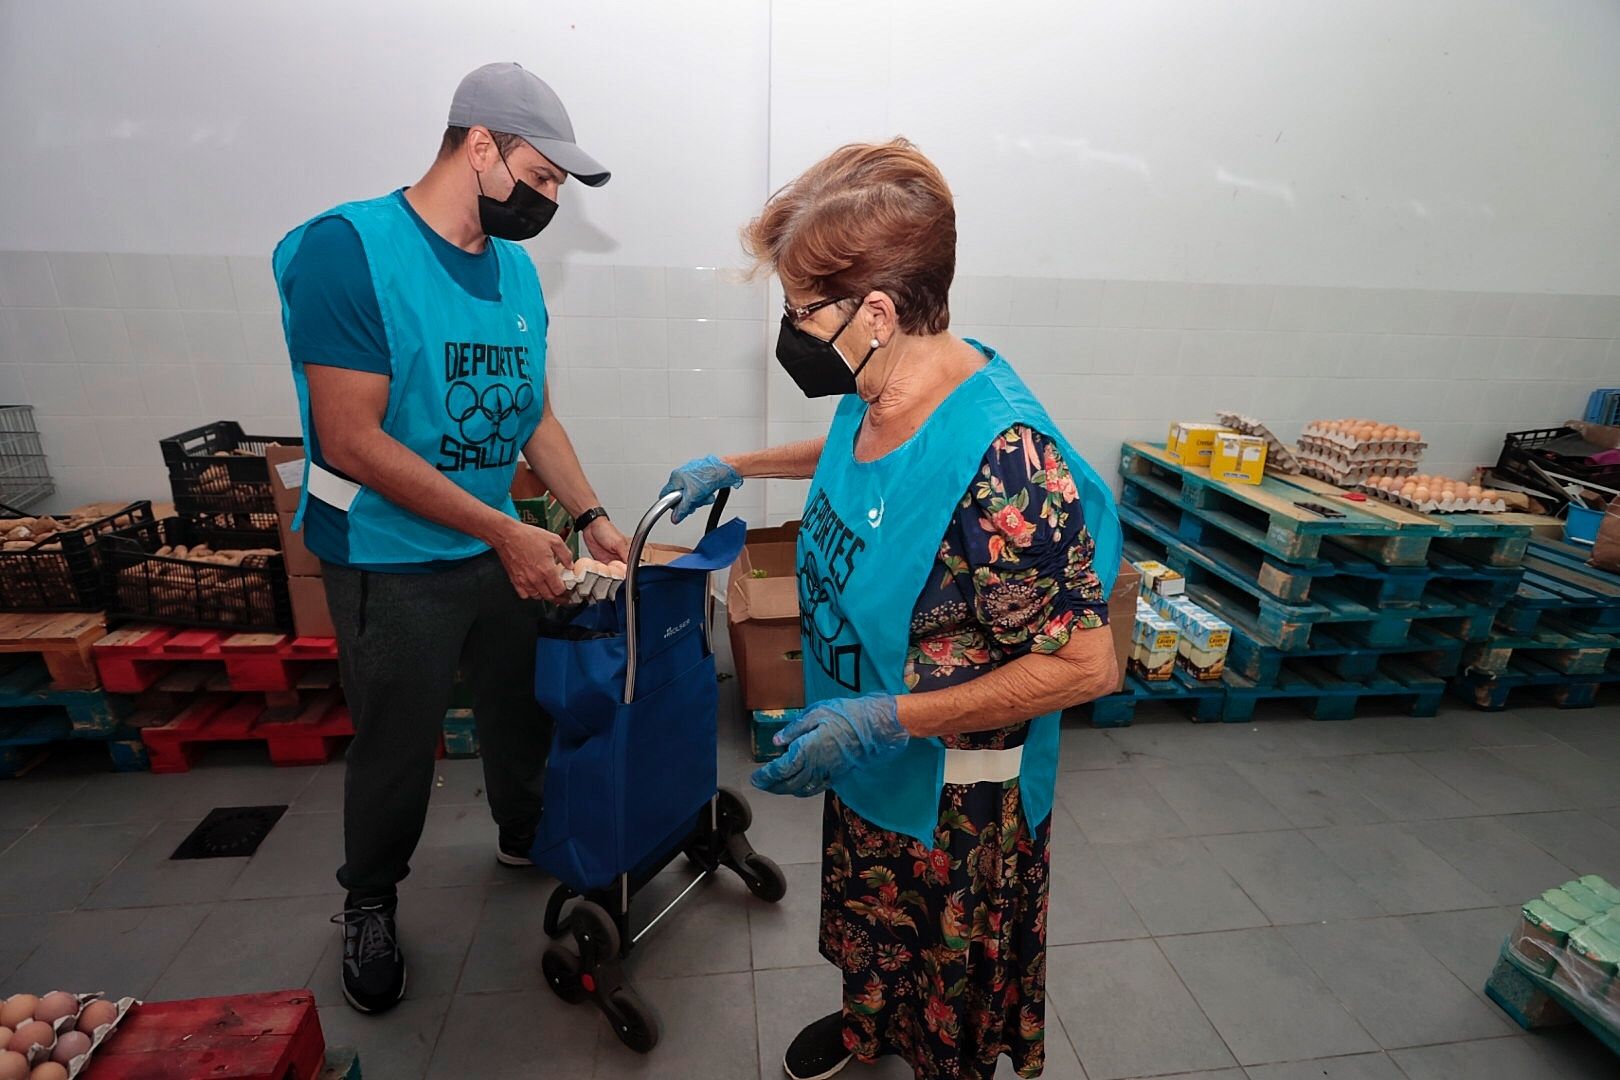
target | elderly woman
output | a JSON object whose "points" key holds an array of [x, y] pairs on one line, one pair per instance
{"points": [[954, 562]]}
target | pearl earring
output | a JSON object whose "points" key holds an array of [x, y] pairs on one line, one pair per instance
{"points": [[876, 344]]}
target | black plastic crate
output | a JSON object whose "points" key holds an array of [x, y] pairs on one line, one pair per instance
{"points": [[1557, 450], [218, 469], [139, 583], [60, 571]]}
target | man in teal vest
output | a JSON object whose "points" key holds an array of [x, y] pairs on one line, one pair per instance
{"points": [[417, 331]]}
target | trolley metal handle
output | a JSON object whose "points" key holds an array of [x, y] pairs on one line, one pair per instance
{"points": [[637, 543]]}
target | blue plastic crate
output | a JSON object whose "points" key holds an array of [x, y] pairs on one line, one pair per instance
{"points": [[1603, 407]]}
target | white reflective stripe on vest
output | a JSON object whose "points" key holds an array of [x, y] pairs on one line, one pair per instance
{"points": [[331, 488], [983, 766]]}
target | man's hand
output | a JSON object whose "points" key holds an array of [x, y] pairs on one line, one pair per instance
{"points": [[606, 542], [534, 559]]}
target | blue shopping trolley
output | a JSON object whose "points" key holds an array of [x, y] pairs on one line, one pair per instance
{"points": [[632, 782]]}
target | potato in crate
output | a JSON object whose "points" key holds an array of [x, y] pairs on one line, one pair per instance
{"points": [[53, 563], [219, 472], [174, 571]]}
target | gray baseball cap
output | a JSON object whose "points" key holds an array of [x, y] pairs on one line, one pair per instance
{"points": [[504, 97]]}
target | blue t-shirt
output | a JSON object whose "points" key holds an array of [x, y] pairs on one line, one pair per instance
{"points": [[334, 320]]}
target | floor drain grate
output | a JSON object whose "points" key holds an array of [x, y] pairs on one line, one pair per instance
{"points": [[229, 832]]}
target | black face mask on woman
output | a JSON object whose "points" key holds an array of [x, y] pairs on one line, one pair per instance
{"points": [[816, 366], [520, 216]]}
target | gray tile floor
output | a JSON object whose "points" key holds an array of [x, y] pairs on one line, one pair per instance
{"points": [[1283, 900]]}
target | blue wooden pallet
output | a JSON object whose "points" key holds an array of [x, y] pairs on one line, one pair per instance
{"points": [[1569, 649], [1535, 1001], [1525, 673], [27, 734], [1558, 584], [33, 716], [1329, 697], [1440, 654], [1201, 699], [1348, 571], [1115, 710], [1225, 589]]}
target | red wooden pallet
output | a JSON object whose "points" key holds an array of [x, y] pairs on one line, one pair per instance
{"points": [[252, 1037], [136, 658], [308, 738]]}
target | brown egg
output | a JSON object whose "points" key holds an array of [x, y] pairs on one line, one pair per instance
{"points": [[18, 1009], [69, 1046], [13, 1066], [96, 1015], [50, 1070], [55, 1005], [5, 1038], [32, 1034]]}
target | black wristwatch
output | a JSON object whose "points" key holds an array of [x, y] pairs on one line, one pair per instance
{"points": [[584, 520]]}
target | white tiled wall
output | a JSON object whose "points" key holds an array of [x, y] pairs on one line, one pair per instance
{"points": [[654, 365]]}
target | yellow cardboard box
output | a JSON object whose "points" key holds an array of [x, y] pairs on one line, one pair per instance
{"points": [[1239, 458], [1193, 444]]}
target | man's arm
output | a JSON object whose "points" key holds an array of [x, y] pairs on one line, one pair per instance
{"points": [[348, 408]]}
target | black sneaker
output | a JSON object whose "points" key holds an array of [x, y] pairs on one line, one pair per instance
{"points": [[514, 850], [373, 965], [818, 1052]]}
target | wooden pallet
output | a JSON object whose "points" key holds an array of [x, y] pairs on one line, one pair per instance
{"points": [[273, 1036], [1527, 676], [1438, 652], [1201, 700], [1226, 591], [26, 740], [61, 640], [1328, 697], [308, 738], [1534, 1001], [1559, 585], [1347, 571], [143, 657], [1563, 648], [1266, 514]]}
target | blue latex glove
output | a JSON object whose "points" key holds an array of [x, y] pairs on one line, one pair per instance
{"points": [[831, 739], [698, 481]]}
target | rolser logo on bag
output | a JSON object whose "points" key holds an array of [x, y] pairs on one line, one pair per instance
{"points": [[673, 630], [827, 540], [488, 395]]}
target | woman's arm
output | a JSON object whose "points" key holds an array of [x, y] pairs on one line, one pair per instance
{"points": [[1083, 669], [791, 461]]}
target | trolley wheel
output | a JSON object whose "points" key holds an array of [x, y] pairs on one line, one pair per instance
{"points": [[633, 1020], [763, 877], [734, 812], [594, 930], [554, 905], [561, 967]]}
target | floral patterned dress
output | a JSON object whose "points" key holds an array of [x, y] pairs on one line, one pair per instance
{"points": [[943, 951]]}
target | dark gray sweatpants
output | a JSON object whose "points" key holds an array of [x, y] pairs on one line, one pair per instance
{"points": [[401, 639]]}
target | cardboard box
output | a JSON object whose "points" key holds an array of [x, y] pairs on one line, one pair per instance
{"points": [[1122, 615], [1239, 458], [310, 615], [1193, 444], [762, 606], [286, 476], [300, 563]]}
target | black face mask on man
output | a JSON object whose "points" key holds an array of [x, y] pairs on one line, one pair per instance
{"points": [[520, 216], [816, 366]]}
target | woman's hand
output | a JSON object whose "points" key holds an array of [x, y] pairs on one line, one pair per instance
{"points": [[831, 739], [698, 482]]}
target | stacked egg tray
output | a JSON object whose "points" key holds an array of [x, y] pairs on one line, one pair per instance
{"points": [[1343, 458], [1278, 457], [53, 1037], [1455, 497]]}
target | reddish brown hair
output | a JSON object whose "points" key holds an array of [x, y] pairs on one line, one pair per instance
{"points": [[867, 218]]}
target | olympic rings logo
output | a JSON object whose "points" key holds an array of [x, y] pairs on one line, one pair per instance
{"points": [[490, 415]]}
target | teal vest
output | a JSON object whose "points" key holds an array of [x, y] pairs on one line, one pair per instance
{"points": [[869, 542], [468, 378]]}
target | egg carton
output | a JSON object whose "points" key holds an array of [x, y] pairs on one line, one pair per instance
{"points": [[1369, 460], [1278, 457], [1361, 448], [1436, 506], [589, 582], [40, 1054]]}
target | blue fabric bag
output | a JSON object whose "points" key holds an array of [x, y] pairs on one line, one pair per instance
{"points": [[625, 780]]}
